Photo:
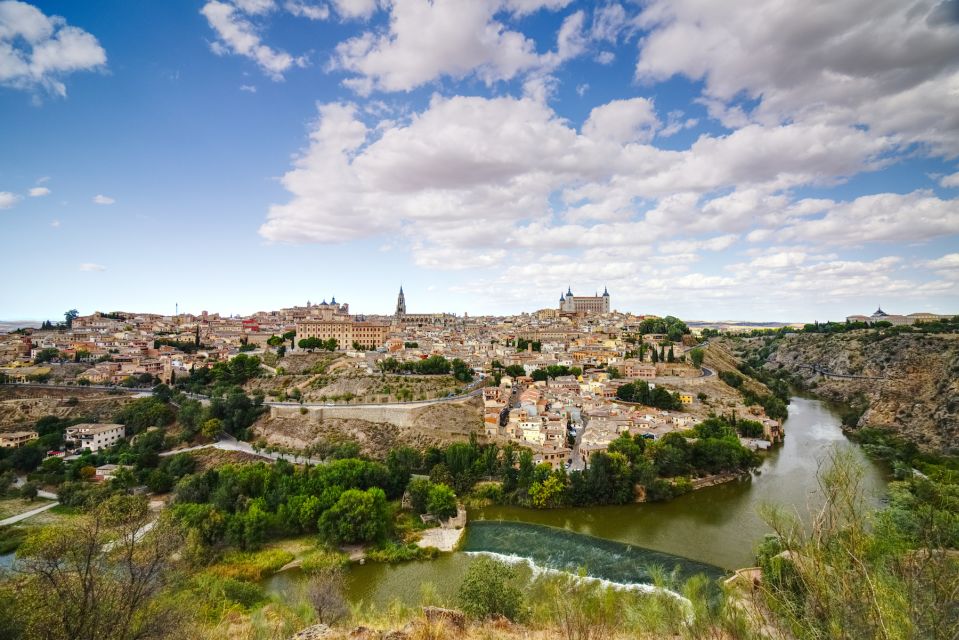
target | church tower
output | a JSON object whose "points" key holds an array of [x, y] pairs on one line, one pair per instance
{"points": [[401, 303]]}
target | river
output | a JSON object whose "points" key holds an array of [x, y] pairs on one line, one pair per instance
{"points": [[708, 530]]}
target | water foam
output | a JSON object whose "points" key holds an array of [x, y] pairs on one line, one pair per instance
{"points": [[539, 570]]}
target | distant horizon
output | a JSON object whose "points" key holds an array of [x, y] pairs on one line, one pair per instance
{"points": [[688, 320]]}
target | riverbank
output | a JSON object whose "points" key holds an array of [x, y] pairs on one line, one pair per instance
{"points": [[447, 536]]}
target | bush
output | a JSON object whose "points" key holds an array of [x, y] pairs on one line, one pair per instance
{"points": [[317, 561], [393, 552], [442, 502], [357, 516], [489, 589], [251, 566]]}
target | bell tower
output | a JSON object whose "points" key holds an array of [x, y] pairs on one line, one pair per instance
{"points": [[401, 303]]}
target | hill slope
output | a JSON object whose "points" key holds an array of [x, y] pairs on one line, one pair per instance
{"points": [[910, 382]]}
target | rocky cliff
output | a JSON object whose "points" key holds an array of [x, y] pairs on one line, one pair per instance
{"points": [[907, 382]]}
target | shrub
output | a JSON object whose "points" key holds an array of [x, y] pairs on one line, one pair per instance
{"points": [[489, 589]]}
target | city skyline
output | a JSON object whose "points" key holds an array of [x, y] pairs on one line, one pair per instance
{"points": [[248, 155]]}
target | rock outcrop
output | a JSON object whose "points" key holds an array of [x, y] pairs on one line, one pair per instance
{"points": [[909, 383]]}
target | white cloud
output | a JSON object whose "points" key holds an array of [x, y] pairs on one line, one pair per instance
{"points": [[350, 9], [43, 179], [948, 263], [238, 35], [889, 65], [471, 174], [249, 88], [37, 192], [882, 217], [622, 121], [456, 38], [102, 199], [38, 51], [605, 57], [609, 21], [675, 122], [950, 181], [92, 266], [8, 199], [306, 10], [255, 7], [55, 224], [526, 7]]}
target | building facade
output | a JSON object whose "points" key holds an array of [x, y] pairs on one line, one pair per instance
{"points": [[419, 319], [570, 304], [94, 436], [16, 439], [327, 321]]}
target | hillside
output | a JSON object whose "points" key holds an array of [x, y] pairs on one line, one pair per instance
{"points": [[909, 384]]}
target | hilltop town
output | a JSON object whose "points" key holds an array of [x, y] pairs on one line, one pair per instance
{"points": [[563, 381]]}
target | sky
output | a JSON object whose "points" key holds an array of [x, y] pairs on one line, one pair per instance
{"points": [[747, 159]]}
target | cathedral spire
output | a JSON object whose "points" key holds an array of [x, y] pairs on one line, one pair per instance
{"points": [[401, 303]]}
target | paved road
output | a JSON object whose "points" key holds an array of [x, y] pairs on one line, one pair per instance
{"points": [[229, 443], [27, 514]]}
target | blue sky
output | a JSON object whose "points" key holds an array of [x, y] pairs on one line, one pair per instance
{"points": [[761, 161]]}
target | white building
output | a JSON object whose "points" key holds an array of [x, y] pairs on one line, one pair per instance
{"points": [[94, 436]]}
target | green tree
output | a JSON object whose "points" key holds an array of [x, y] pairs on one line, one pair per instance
{"points": [[46, 355], [515, 371], [441, 502], [489, 589], [548, 493], [211, 428], [357, 516], [419, 494], [29, 491], [70, 316], [696, 356], [98, 577]]}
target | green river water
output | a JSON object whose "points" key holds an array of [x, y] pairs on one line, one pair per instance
{"points": [[707, 531]]}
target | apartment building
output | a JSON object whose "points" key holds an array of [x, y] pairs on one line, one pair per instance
{"points": [[16, 439], [94, 436]]}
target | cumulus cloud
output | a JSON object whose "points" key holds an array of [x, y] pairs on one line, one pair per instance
{"points": [[469, 176], [102, 199], [882, 217], [8, 199], [947, 264], [92, 266], [888, 65], [350, 9], [37, 192], [306, 10], [623, 121], [951, 181], [237, 34], [456, 38], [37, 51]]}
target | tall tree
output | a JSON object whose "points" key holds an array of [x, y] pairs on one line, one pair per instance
{"points": [[99, 576]]}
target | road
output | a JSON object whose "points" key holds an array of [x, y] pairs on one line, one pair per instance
{"points": [[229, 443], [27, 514]]}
